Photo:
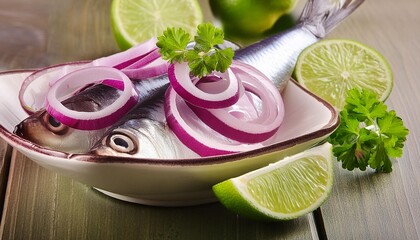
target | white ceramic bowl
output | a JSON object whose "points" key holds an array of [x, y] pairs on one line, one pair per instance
{"points": [[308, 120]]}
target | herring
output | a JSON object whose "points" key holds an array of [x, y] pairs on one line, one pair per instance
{"points": [[43, 129], [275, 56], [143, 133]]}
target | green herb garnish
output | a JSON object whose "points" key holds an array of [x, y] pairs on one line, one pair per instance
{"points": [[368, 134], [204, 57]]}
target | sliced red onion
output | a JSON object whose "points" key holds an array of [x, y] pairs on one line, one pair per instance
{"points": [[242, 128], [35, 87], [189, 128], [90, 120], [113, 83], [139, 62], [246, 125], [126, 58], [233, 122], [150, 66], [179, 76], [144, 60]]}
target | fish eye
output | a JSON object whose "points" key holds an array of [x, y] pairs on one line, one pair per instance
{"points": [[122, 143], [54, 125]]}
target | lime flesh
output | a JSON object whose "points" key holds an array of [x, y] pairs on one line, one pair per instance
{"points": [[135, 21], [283, 190], [329, 68]]}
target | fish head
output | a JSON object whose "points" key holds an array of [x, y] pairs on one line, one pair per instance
{"points": [[145, 139], [43, 129]]}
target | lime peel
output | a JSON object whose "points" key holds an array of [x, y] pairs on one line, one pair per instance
{"points": [[272, 192]]}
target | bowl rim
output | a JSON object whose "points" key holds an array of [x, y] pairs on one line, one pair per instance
{"points": [[328, 128]]}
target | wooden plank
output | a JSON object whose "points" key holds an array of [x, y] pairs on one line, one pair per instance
{"points": [[366, 205], [363, 205], [5, 158], [43, 205], [22, 45]]}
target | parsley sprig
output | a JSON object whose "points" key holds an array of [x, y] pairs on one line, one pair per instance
{"points": [[368, 134], [204, 57]]}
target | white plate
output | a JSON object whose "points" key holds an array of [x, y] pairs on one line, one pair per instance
{"points": [[170, 182]]}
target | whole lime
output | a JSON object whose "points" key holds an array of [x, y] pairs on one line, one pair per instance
{"points": [[250, 17]]}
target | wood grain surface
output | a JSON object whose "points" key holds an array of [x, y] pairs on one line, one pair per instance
{"points": [[40, 204], [366, 205]]}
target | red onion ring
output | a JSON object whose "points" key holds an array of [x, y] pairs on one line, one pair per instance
{"points": [[189, 129], [126, 58], [253, 130], [179, 76], [259, 129], [90, 120], [211, 132], [150, 65], [139, 62], [35, 87]]}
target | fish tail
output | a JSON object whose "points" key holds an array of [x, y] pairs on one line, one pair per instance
{"points": [[321, 16]]}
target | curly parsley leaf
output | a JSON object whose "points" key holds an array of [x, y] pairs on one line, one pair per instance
{"points": [[173, 44], [207, 37], [368, 134], [204, 57]]}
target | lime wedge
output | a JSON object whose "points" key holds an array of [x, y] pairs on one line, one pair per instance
{"points": [[287, 189], [134, 21], [329, 68]]}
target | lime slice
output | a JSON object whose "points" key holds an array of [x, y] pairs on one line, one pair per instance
{"points": [[287, 189], [329, 68], [134, 21]]}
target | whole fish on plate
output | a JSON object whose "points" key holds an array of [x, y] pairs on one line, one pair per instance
{"points": [[143, 135], [43, 129], [274, 56]]}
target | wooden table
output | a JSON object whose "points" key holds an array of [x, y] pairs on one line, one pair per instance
{"points": [[39, 204]]}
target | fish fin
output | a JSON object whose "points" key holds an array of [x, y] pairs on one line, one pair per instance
{"points": [[321, 16]]}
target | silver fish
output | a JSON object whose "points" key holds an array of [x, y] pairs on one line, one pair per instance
{"points": [[147, 135], [143, 132], [44, 130]]}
